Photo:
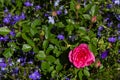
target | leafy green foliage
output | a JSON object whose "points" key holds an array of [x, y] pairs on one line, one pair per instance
{"points": [[37, 45]]}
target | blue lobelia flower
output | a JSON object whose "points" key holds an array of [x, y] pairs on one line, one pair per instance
{"points": [[112, 39], [37, 7], [16, 18], [117, 16], [56, 3], [6, 20], [51, 20], [3, 65], [99, 34], [28, 4], [100, 28], [22, 16], [59, 12], [118, 25], [118, 37], [35, 75], [104, 54], [12, 33], [60, 37], [116, 2]]}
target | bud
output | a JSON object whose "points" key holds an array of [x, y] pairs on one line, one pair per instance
{"points": [[94, 19], [54, 13], [77, 6], [97, 64]]}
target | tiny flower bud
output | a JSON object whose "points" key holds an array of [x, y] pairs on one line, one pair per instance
{"points": [[54, 13], [77, 6], [97, 64], [94, 19]]}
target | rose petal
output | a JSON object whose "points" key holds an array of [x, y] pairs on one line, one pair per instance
{"points": [[70, 56]]}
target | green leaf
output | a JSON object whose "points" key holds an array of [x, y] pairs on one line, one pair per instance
{"points": [[29, 41], [72, 5], [85, 38], [2, 1], [87, 7], [69, 28], [93, 9], [60, 24], [45, 44], [18, 34], [87, 16], [50, 59], [53, 74], [59, 67], [51, 47], [80, 74], [93, 49], [26, 47], [86, 72], [33, 31], [4, 30], [54, 41], [7, 53], [41, 55], [82, 29], [47, 33], [45, 66], [36, 49], [35, 23]]}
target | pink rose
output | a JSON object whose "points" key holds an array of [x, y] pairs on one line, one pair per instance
{"points": [[81, 56]]}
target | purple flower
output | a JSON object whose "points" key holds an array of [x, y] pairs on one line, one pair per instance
{"points": [[106, 19], [118, 37], [116, 2], [9, 15], [28, 4], [109, 6], [60, 37], [110, 24], [4, 38], [104, 54], [100, 28], [56, 3], [35, 75], [37, 7], [46, 15], [2, 60], [6, 20], [22, 16], [6, 10], [16, 18], [65, 11], [118, 31], [15, 70], [12, 33], [59, 12], [99, 34], [51, 20], [119, 51], [67, 79], [112, 39], [118, 60], [117, 16], [3, 65], [118, 25]]}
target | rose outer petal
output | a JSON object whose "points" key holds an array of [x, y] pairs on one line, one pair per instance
{"points": [[91, 59], [70, 56]]}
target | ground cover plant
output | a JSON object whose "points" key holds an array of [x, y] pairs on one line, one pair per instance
{"points": [[59, 39]]}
